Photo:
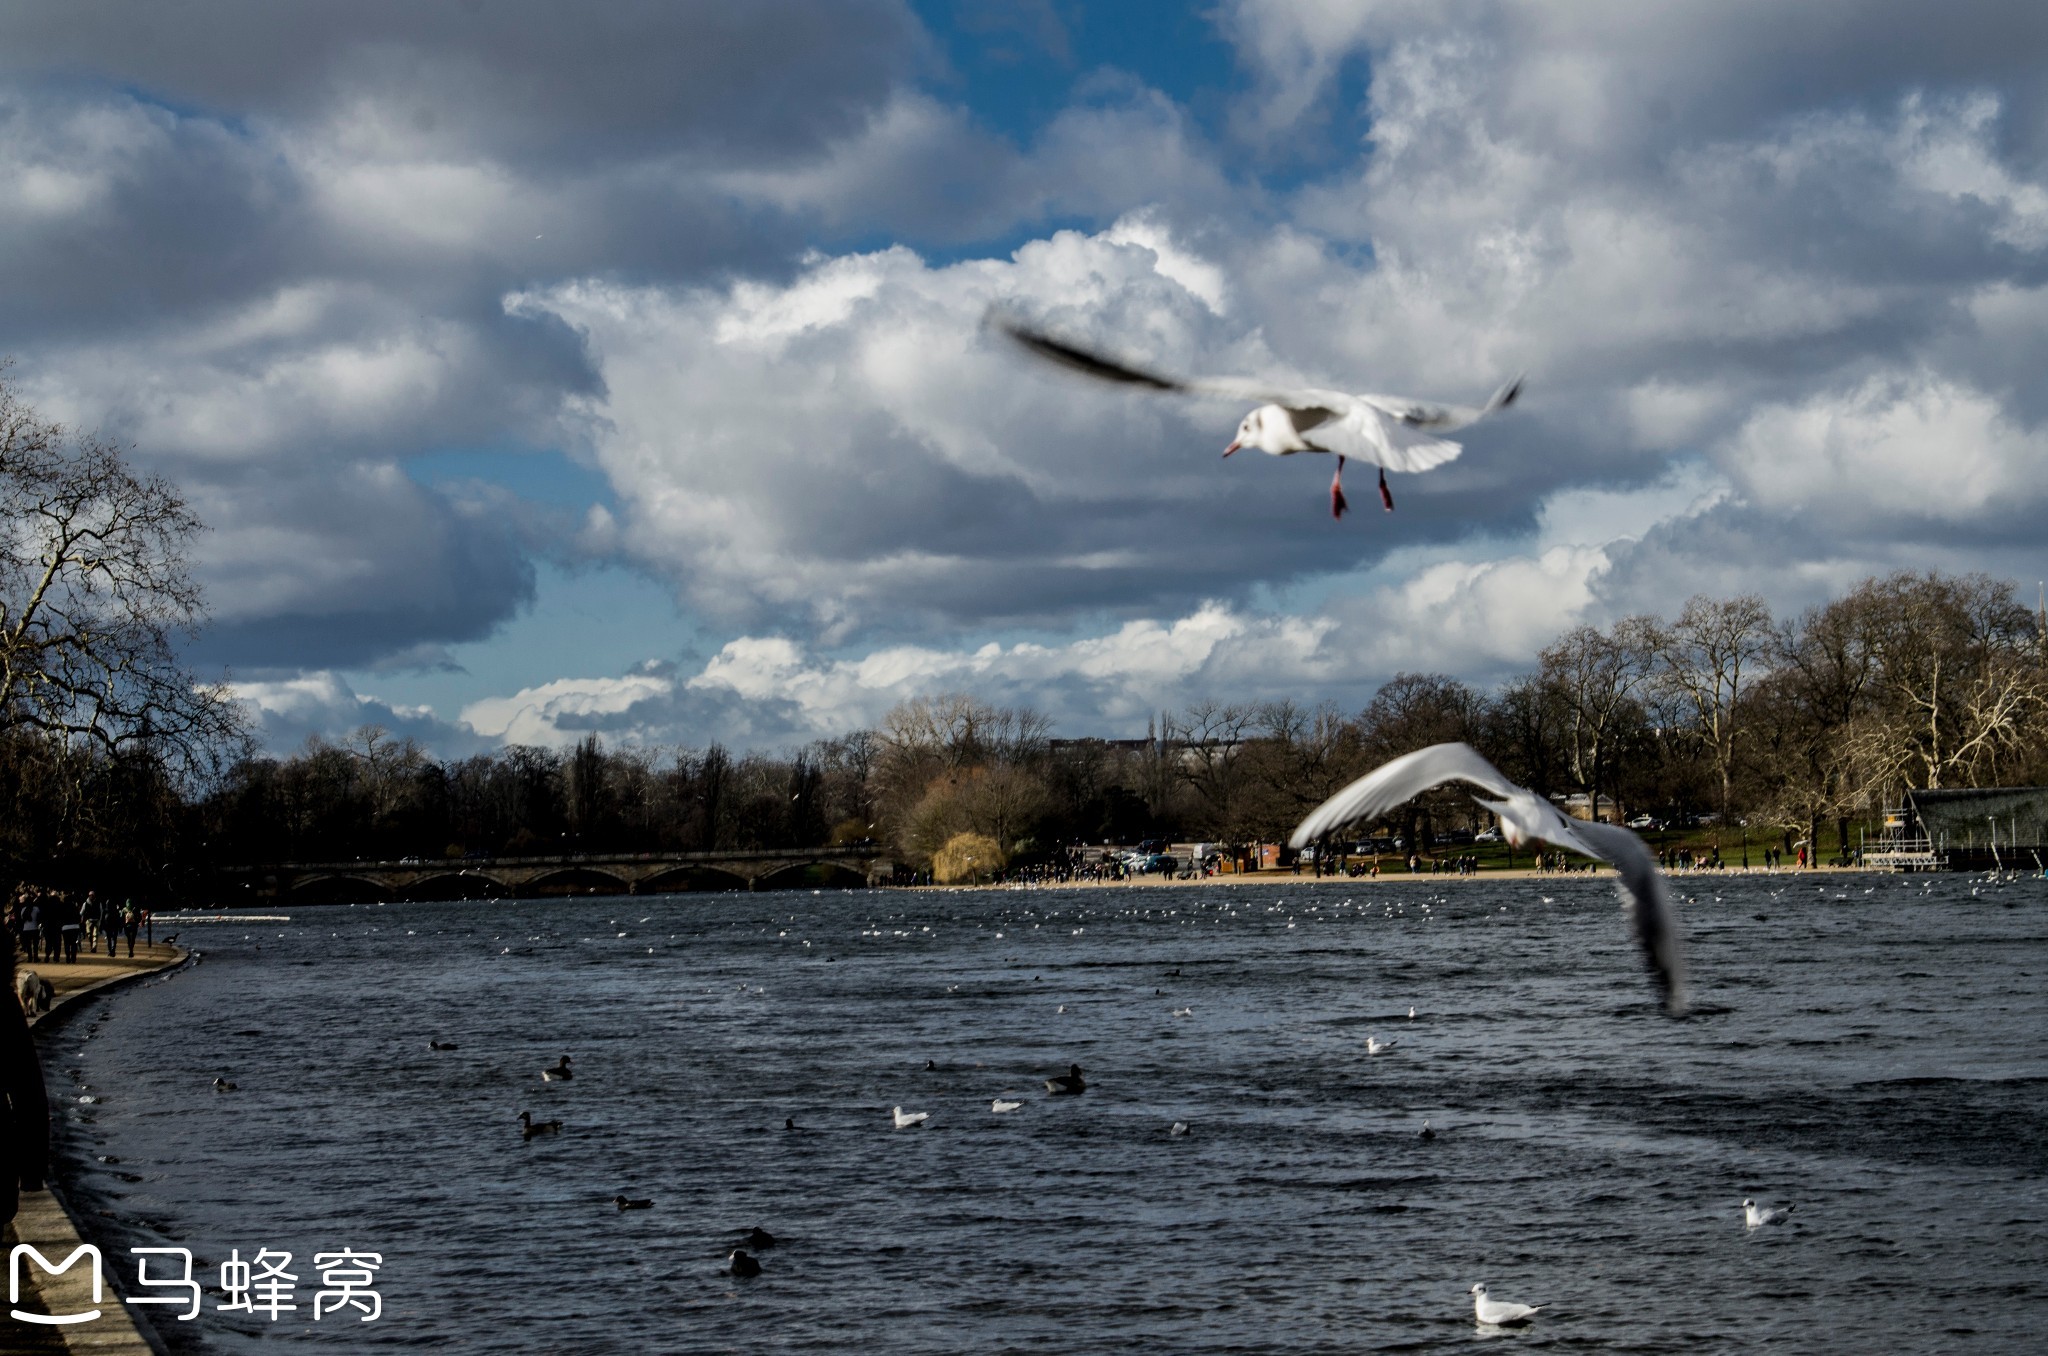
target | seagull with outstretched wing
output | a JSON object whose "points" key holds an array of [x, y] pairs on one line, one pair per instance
{"points": [[1524, 816], [1392, 432]]}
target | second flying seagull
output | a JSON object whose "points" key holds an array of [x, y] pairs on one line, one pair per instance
{"points": [[1394, 433]]}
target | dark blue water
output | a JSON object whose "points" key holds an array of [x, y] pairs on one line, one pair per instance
{"points": [[1869, 1050]]}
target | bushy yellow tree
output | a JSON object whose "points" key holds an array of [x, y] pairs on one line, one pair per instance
{"points": [[964, 857]]}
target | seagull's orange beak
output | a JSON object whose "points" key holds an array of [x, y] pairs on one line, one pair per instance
{"points": [[1232, 448]]}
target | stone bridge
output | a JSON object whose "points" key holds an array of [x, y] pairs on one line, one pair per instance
{"points": [[661, 873]]}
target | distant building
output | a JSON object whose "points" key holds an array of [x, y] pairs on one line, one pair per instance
{"points": [[1982, 817], [1970, 829], [1579, 805]]}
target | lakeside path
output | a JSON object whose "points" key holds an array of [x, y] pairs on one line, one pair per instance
{"points": [[1405, 877], [45, 1223]]}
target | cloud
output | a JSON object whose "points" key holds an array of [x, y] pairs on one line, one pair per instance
{"points": [[287, 713], [1777, 276]]}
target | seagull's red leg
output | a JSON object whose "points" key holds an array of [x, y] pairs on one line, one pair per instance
{"points": [[1337, 503], [1386, 495]]}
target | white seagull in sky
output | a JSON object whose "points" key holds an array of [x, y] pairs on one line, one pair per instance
{"points": [[1524, 816], [1500, 1313], [1393, 432]]}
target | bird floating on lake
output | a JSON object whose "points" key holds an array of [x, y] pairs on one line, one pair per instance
{"points": [[1755, 1216], [1500, 1313], [739, 1264], [906, 1119], [440, 1045], [1373, 1045], [222, 1085], [759, 1239], [1179, 1128], [1393, 432], [626, 1203], [530, 1127], [1070, 1081], [999, 1106], [559, 1074], [1524, 816], [1427, 1133]]}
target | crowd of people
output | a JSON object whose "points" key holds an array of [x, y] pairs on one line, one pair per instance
{"points": [[53, 925]]}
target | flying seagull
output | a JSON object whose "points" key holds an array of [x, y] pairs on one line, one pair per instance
{"points": [[1393, 432], [1524, 816]]}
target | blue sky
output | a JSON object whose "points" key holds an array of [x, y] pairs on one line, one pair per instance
{"points": [[542, 371]]}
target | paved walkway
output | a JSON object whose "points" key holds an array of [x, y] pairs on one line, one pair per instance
{"points": [[43, 1221]]}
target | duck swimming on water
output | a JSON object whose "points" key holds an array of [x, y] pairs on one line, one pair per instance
{"points": [[1070, 1081], [559, 1074]]}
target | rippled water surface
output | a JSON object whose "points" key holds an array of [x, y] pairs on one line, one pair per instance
{"points": [[1869, 1049]]}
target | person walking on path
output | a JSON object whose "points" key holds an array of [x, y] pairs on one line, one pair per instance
{"points": [[24, 1107], [68, 928], [32, 930], [131, 923]]}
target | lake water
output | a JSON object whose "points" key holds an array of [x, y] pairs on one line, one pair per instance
{"points": [[1869, 1049]]}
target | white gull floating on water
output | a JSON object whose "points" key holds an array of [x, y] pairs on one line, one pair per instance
{"points": [[1393, 432], [1524, 816], [906, 1119], [1500, 1313], [1755, 1216]]}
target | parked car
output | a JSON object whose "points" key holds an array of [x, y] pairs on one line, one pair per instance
{"points": [[1645, 822], [1486, 836]]}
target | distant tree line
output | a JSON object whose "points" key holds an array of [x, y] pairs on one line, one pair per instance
{"points": [[1793, 726]]}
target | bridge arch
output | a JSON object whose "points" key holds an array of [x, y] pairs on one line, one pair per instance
{"points": [[329, 889], [690, 880], [456, 885], [576, 880], [813, 876]]}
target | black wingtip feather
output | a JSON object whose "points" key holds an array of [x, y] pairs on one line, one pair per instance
{"points": [[1080, 359]]}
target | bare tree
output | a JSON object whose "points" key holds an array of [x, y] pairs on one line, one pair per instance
{"points": [[1958, 676], [1302, 757], [1705, 659], [1204, 742], [1597, 678], [94, 596]]}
